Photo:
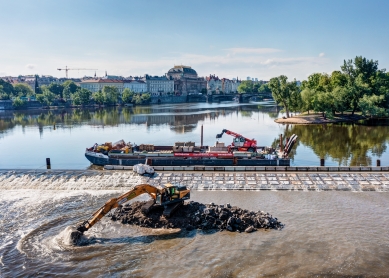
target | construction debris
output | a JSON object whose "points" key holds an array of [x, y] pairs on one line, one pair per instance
{"points": [[194, 215], [142, 169]]}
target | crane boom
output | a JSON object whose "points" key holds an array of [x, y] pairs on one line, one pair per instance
{"points": [[66, 69], [240, 142]]}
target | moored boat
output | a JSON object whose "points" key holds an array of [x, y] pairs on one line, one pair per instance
{"points": [[184, 154]]}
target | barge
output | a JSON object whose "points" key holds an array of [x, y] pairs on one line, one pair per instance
{"points": [[187, 154]]}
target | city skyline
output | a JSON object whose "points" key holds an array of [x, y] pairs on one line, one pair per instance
{"points": [[229, 39]]}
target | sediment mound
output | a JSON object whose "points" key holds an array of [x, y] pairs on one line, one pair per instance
{"points": [[193, 215]]}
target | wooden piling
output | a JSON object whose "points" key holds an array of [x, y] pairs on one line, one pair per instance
{"points": [[281, 146], [48, 163]]}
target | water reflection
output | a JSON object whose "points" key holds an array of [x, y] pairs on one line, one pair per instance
{"points": [[346, 144], [339, 144], [180, 119]]}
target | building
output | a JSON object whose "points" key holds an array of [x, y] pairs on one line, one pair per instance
{"points": [[159, 85], [214, 84], [234, 85], [226, 86], [186, 80], [135, 85], [95, 85]]}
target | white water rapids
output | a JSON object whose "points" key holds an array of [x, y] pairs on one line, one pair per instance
{"points": [[327, 234]]}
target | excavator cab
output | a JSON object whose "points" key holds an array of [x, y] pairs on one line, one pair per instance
{"points": [[176, 193], [239, 141]]}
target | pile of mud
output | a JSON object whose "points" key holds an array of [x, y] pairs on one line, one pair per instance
{"points": [[193, 215]]}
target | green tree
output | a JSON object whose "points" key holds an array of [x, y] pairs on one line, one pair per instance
{"points": [[362, 76], [146, 98], [18, 103], [264, 89], [137, 99], [340, 98], [23, 90], [246, 86], [56, 89], [69, 88], [307, 97], [373, 105], [295, 101], [127, 95], [111, 94], [3, 94], [283, 91], [7, 89], [46, 98], [81, 97], [98, 97]]}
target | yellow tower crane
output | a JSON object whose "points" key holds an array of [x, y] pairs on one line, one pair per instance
{"points": [[66, 69]]}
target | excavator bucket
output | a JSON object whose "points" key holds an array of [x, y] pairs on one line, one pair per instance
{"points": [[219, 135]]}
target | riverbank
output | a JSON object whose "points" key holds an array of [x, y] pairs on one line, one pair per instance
{"points": [[317, 118]]}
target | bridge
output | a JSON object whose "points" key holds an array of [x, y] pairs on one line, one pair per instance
{"points": [[241, 97]]}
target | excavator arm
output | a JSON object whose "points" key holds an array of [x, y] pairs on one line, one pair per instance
{"points": [[115, 202], [234, 134]]}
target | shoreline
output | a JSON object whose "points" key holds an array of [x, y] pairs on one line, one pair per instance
{"points": [[318, 119]]}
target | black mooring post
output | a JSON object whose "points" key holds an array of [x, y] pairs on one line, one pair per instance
{"points": [[378, 163], [48, 164], [201, 144], [322, 162]]}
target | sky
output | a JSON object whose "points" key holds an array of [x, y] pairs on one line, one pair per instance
{"points": [[257, 39]]}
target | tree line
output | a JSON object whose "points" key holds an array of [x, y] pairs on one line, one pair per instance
{"points": [[360, 86], [68, 92]]}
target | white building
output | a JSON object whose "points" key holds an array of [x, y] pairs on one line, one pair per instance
{"points": [[227, 86], [214, 84], [95, 85], [234, 85], [159, 85], [137, 86]]}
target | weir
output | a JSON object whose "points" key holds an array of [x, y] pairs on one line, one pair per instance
{"points": [[124, 180]]}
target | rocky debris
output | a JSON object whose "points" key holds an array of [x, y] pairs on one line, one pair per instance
{"points": [[194, 215]]}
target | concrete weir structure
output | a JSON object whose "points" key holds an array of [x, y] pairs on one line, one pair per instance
{"points": [[195, 180]]}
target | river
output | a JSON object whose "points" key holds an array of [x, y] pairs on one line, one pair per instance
{"points": [[27, 138], [326, 234]]}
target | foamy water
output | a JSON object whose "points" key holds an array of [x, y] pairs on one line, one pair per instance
{"points": [[326, 234]]}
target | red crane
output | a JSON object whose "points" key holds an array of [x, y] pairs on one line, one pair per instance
{"points": [[240, 143], [66, 69]]}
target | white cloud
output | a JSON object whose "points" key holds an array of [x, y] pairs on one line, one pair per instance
{"points": [[321, 54], [225, 63], [260, 66], [30, 66], [246, 50]]}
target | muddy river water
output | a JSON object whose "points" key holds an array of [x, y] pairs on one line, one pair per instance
{"points": [[326, 234]]}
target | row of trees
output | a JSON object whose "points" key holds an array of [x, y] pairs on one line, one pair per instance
{"points": [[358, 87], [68, 91], [249, 86]]}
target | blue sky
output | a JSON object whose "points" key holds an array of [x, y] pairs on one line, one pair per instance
{"points": [[259, 39]]}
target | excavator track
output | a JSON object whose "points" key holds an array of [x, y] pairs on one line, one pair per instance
{"points": [[170, 209], [148, 206]]}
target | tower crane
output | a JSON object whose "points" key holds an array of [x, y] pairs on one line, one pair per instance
{"points": [[66, 69]]}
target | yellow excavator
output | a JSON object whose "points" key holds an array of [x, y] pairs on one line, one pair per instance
{"points": [[170, 197]]}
